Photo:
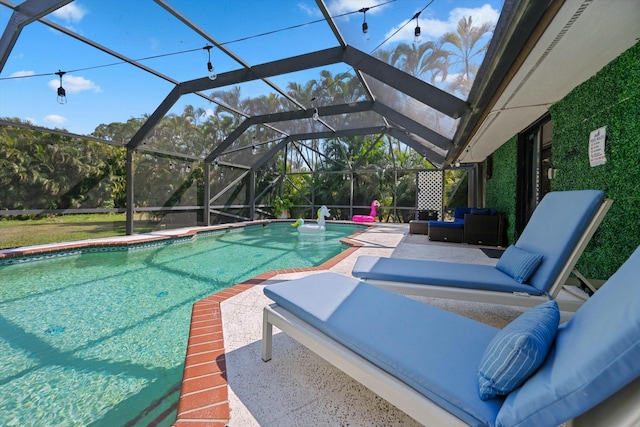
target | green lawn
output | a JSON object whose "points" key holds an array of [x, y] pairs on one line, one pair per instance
{"points": [[66, 228]]}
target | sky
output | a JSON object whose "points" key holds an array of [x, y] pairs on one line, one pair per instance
{"points": [[101, 89]]}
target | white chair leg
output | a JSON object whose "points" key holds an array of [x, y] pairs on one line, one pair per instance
{"points": [[267, 336]]}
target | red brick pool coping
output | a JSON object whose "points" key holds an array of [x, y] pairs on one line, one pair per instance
{"points": [[204, 397]]}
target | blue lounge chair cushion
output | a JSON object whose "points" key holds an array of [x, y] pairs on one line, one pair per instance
{"points": [[554, 229], [519, 263], [518, 350], [404, 337], [595, 354], [460, 275]]}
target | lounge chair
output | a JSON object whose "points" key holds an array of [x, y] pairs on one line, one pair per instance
{"points": [[432, 364], [556, 235]]}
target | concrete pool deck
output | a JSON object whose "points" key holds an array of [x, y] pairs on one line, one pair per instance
{"points": [[297, 387]]}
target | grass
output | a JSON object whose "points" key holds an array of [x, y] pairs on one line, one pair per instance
{"points": [[66, 228]]}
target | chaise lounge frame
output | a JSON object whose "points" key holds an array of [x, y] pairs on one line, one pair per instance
{"points": [[621, 409], [498, 297]]}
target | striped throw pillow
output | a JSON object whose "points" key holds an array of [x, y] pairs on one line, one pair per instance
{"points": [[518, 350], [519, 263]]}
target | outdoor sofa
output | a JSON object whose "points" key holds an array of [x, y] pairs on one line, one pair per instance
{"points": [[537, 265], [444, 369], [455, 231]]}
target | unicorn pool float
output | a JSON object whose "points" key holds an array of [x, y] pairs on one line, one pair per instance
{"points": [[313, 228], [368, 218]]}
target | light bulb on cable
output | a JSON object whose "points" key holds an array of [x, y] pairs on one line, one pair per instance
{"points": [[417, 32], [316, 116], [212, 75], [62, 94], [365, 26]]}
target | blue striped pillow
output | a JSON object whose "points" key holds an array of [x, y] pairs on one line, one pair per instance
{"points": [[518, 350], [518, 263]]}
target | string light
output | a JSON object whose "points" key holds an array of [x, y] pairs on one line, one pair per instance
{"points": [[416, 33], [212, 75], [254, 147], [242, 39], [365, 26], [316, 116], [62, 94]]}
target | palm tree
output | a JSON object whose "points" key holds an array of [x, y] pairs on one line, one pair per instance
{"points": [[464, 40], [427, 61]]}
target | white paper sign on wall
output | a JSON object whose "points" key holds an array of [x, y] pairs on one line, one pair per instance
{"points": [[597, 139]]}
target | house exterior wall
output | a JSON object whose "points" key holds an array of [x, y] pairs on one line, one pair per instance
{"points": [[610, 99]]}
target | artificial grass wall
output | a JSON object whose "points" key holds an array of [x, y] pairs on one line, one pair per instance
{"points": [[501, 188], [609, 99]]}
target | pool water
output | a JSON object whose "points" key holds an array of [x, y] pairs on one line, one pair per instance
{"points": [[99, 338]]}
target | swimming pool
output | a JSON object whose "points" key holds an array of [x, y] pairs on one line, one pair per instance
{"points": [[98, 337]]}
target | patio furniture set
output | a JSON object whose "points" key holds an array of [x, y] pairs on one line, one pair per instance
{"points": [[477, 226]]}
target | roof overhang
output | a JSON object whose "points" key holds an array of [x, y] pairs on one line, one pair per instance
{"points": [[571, 42]]}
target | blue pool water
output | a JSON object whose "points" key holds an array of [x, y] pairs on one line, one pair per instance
{"points": [[99, 338]]}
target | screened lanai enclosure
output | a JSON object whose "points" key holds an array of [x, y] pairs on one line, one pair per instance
{"points": [[182, 113]]}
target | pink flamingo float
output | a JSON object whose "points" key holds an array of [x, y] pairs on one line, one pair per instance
{"points": [[368, 218]]}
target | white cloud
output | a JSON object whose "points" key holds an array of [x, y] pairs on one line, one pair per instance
{"points": [[480, 15], [309, 10], [434, 28], [74, 84], [339, 7], [72, 12], [55, 119], [22, 73]]}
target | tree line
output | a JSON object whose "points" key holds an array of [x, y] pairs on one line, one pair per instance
{"points": [[41, 170]]}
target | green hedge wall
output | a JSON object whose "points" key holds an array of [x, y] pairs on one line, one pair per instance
{"points": [[501, 188], [611, 98]]}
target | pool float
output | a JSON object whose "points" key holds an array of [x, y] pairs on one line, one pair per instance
{"points": [[368, 218], [315, 228]]}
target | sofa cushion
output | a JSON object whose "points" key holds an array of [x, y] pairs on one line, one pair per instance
{"points": [[483, 211], [518, 350], [519, 263], [460, 211], [595, 354], [447, 224]]}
